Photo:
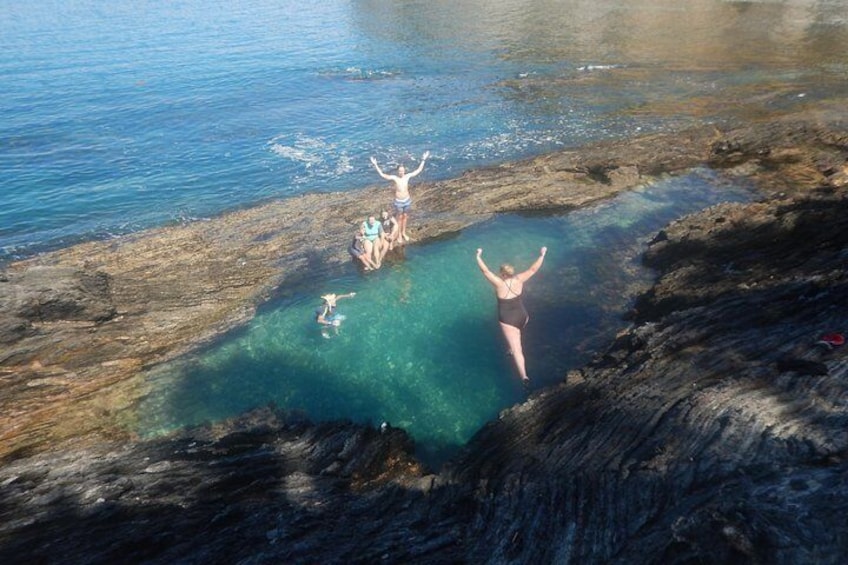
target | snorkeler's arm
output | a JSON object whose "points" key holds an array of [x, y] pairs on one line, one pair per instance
{"points": [[348, 295], [490, 276], [534, 267]]}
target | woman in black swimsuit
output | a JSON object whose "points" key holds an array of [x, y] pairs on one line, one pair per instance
{"points": [[511, 313]]}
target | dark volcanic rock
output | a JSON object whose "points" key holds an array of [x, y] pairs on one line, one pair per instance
{"points": [[714, 430], [259, 489], [731, 247]]}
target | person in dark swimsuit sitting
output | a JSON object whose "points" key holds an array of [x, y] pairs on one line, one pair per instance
{"points": [[391, 231], [511, 312]]}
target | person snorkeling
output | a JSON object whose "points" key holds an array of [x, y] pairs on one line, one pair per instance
{"points": [[326, 315]]}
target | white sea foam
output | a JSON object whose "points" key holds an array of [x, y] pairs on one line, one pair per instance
{"points": [[316, 157], [303, 149], [344, 165], [358, 73], [598, 67]]}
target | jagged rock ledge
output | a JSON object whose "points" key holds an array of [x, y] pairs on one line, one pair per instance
{"points": [[712, 430]]}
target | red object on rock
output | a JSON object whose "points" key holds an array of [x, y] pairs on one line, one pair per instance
{"points": [[833, 339]]}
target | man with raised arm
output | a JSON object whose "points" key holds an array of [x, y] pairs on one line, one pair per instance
{"points": [[402, 202]]}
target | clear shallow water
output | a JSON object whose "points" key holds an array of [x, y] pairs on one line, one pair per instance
{"points": [[122, 115], [421, 347]]}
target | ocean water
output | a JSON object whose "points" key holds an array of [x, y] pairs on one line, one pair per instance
{"points": [[420, 347], [117, 116]]}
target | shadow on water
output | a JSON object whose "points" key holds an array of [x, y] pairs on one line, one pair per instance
{"points": [[420, 347]]}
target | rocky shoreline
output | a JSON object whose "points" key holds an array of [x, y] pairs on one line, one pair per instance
{"points": [[80, 323], [712, 430]]}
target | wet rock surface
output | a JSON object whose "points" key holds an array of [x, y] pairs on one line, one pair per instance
{"points": [[713, 430], [49, 294]]}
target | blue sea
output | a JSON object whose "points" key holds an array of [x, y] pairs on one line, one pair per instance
{"points": [[118, 116]]}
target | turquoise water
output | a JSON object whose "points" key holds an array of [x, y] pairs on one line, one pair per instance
{"points": [[420, 347], [120, 115]]}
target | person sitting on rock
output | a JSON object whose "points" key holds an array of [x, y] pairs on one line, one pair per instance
{"points": [[358, 251], [373, 232], [391, 231]]}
